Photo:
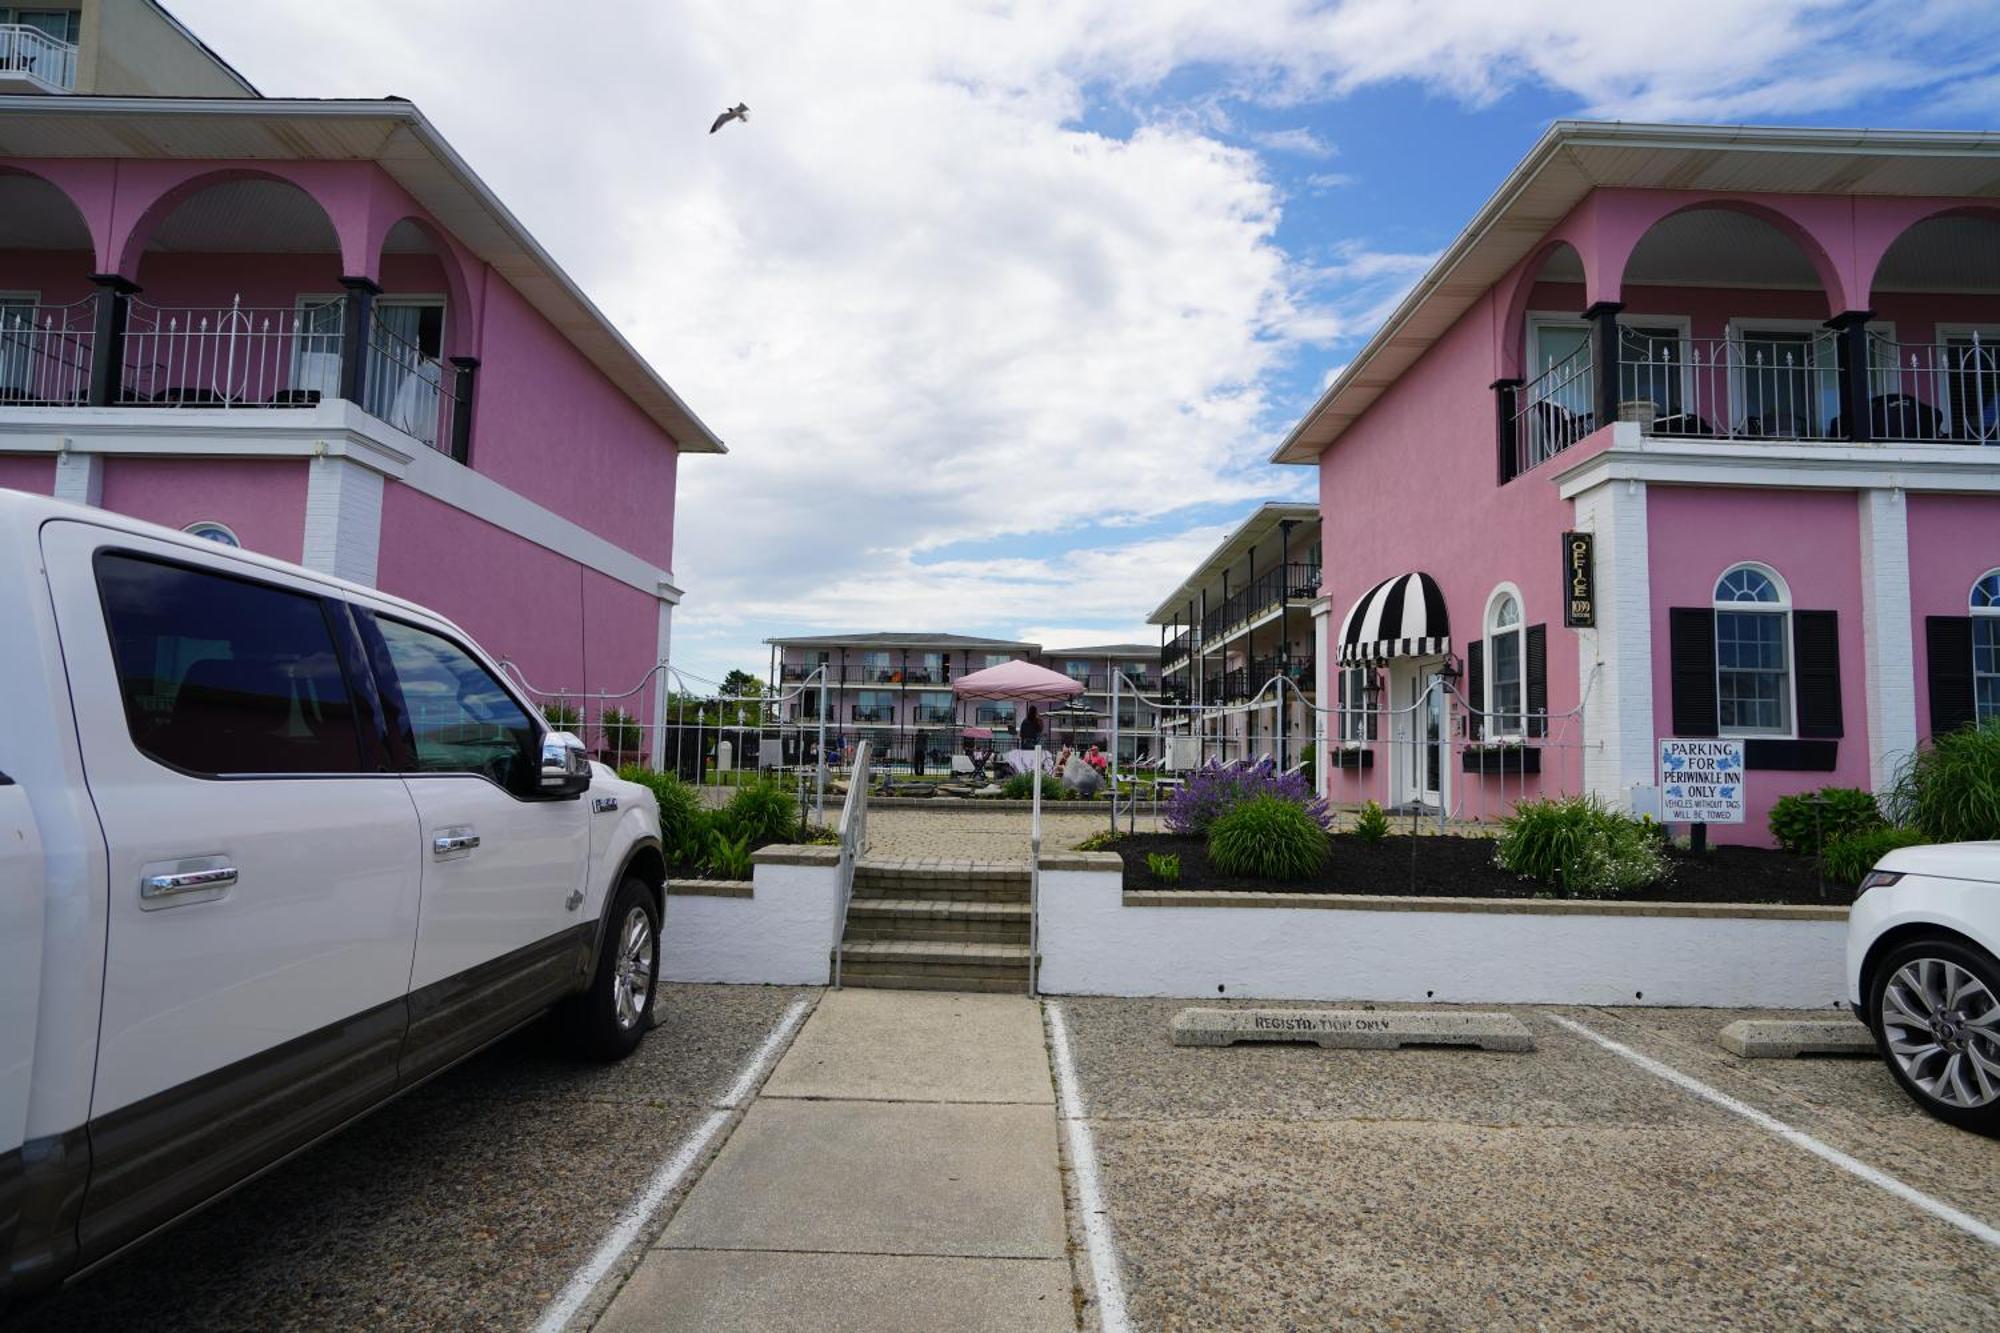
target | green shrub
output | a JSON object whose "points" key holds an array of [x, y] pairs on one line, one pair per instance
{"points": [[1580, 848], [1371, 825], [1841, 812], [683, 821], [1104, 840], [1166, 866], [621, 732], [1021, 787], [562, 715], [1949, 790], [820, 835], [763, 811], [728, 858], [1848, 859], [1267, 837]]}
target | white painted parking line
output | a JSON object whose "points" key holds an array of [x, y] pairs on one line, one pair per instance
{"points": [[1090, 1197], [632, 1221], [1965, 1222]]}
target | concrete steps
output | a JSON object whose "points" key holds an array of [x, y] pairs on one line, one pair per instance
{"points": [[937, 925]]}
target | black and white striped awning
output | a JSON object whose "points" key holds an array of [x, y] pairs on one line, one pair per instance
{"points": [[1399, 617]]}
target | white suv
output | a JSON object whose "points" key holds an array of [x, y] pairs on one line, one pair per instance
{"points": [[273, 848], [1922, 943]]}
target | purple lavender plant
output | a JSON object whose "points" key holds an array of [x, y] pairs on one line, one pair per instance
{"points": [[1213, 789]]}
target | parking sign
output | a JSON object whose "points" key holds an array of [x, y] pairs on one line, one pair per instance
{"points": [[1701, 781]]}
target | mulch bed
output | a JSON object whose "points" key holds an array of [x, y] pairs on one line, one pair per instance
{"points": [[1451, 866]]}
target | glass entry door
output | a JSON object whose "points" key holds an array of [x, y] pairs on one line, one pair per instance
{"points": [[1420, 729]]}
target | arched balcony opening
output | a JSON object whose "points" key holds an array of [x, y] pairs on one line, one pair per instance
{"points": [[1722, 329], [239, 300], [1933, 340], [417, 322], [47, 301], [1549, 403]]}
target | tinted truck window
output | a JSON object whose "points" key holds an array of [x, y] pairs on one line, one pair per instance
{"points": [[461, 719], [225, 676]]}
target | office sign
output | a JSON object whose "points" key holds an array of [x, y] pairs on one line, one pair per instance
{"points": [[1580, 580], [1701, 781]]}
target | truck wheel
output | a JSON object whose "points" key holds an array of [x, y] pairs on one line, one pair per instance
{"points": [[606, 1021]]}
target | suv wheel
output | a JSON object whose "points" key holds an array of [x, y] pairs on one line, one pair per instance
{"points": [[606, 1021], [1935, 1008]]}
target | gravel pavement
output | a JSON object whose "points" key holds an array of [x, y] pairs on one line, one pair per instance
{"points": [[1291, 1187], [465, 1205]]}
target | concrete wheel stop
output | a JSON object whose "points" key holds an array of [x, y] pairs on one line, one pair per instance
{"points": [[1351, 1029], [1788, 1039]]}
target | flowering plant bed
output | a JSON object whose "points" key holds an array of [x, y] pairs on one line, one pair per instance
{"points": [[1457, 866]]}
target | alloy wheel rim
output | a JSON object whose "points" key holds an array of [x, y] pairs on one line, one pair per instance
{"points": [[633, 980], [1943, 1028]]}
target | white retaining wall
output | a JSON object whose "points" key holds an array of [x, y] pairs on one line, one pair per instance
{"points": [[780, 934], [1523, 952]]}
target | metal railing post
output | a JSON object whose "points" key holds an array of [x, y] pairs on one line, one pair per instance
{"points": [[1035, 876], [1112, 767], [819, 755]]}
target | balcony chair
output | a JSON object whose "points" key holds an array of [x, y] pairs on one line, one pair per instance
{"points": [[1684, 424]]}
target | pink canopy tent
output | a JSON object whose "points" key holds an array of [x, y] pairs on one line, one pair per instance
{"points": [[1021, 681]]}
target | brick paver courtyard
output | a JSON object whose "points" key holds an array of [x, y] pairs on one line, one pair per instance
{"points": [[979, 835]]}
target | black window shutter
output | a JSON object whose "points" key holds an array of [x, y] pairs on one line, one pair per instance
{"points": [[1374, 709], [1691, 660], [1948, 644], [1536, 668], [1475, 688], [1816, 642]]}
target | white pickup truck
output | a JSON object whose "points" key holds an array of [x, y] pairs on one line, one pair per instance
{"points": [[273, 848]]}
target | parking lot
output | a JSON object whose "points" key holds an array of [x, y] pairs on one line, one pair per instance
{"points": [[466, 1205], [1293, 1187], [1246, 1187]]}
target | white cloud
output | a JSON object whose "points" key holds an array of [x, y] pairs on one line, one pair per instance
{"points": [[1298, 140], [924, 307]]}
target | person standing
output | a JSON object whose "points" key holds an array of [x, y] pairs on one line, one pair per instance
{"points": [[1031, 729]]}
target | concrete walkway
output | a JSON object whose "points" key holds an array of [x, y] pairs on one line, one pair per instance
{"points": [[898, 1171]]}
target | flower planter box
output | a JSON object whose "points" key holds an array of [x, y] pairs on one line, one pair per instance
{"points": [[1522, 759], [1351, 758]]}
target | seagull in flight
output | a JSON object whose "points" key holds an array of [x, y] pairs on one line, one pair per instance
{"points": [[737, 112]]}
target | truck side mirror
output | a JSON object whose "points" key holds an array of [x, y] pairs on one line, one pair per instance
{"points": [[565, 765]]}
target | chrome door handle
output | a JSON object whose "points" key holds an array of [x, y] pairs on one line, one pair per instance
{"points": [[448, 843], [155, 887]]}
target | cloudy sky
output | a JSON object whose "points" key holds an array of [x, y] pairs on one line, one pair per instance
{"points": [[1000, 307]]}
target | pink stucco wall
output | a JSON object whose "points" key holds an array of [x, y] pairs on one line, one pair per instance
{"points": [[567, 628], [547, 423], [1426, 448], [1954, 539], [28, 472], [263, 501], [1813, 540]]}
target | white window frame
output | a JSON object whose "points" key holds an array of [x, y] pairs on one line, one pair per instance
{"points": [[201, 527], [1783, 606], [1491, 675], [1989, 335], [34, 300], [299, 304], [1981, 615], [1749, 326], [1351, 700], [1538, 320]]}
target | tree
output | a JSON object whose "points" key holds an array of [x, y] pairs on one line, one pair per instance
{"points": [[742, 685]]}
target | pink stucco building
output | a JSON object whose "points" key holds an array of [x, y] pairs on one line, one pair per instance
{"points": [[1755, 368], [309, 328]]}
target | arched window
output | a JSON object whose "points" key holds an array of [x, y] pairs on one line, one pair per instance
{"points": [[1985, 605], [209, 530], [1503, 702], [1753, 653]]}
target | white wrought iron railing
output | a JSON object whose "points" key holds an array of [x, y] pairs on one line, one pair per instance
{"points": [[853, 830], [45, 352], [28, 50], [1555, 409], [1750, 386], [230, 356], [1946, 390], [408, 388]]}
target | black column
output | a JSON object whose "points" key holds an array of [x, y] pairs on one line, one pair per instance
{"points": [[1855, 416], [107, 348], [461, 407], [357, 317], [1506, 406], [1603, 319]]}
